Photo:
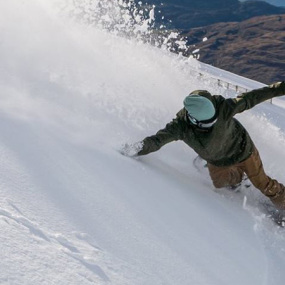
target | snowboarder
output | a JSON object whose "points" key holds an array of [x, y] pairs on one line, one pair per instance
{"points": [[207, 125]]}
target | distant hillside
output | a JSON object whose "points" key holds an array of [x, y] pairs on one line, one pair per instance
{"points": [[186, 14], [273, 2], [254, 48], [246, 38]]}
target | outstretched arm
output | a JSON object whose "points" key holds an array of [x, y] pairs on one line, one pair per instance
{"points": [[249, 99], [173, 131]]}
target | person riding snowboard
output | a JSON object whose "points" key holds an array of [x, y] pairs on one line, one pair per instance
{"points": [[207, 125]]}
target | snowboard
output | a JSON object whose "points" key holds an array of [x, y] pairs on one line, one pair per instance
{"points": [[276, 215]]}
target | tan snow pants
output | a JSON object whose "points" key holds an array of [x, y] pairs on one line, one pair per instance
{"points": [[253, 168]]}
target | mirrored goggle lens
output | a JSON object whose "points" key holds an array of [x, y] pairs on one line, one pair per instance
{"points": [[201, 124]]}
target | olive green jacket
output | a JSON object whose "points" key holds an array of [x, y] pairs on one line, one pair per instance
{"points": [[224, 144]]}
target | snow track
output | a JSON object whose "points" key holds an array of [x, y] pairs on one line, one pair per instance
{"points": [[75, 211]]}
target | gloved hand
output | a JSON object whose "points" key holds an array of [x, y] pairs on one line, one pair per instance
{"points": [[131, 149], [280, 86]]}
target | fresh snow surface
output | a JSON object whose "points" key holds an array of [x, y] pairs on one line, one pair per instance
{"points": [[73, 210]]}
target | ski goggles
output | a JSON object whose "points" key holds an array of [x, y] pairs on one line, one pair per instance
{"points": [[202, 124]]}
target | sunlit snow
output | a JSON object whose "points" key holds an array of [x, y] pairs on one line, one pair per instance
{"points": [[73, 210]]}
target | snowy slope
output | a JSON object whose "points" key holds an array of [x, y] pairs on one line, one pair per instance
{"points": [[75, 211]]}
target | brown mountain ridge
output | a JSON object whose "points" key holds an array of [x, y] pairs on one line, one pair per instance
{"points": [[254, 48]]}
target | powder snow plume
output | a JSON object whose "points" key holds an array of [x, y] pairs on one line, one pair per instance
{"points": [[77, 80]]}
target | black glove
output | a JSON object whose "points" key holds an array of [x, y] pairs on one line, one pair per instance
{"points": [[280, 86]]}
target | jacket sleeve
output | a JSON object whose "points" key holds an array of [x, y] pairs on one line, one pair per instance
{"points": [[173, 131], [249, 99]]}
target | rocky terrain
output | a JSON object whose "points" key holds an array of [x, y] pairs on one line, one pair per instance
{"points": [[247, 38], [186, 14], [254, 48]]}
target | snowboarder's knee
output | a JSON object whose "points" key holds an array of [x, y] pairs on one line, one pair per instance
{"points": [[220, 184]]}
